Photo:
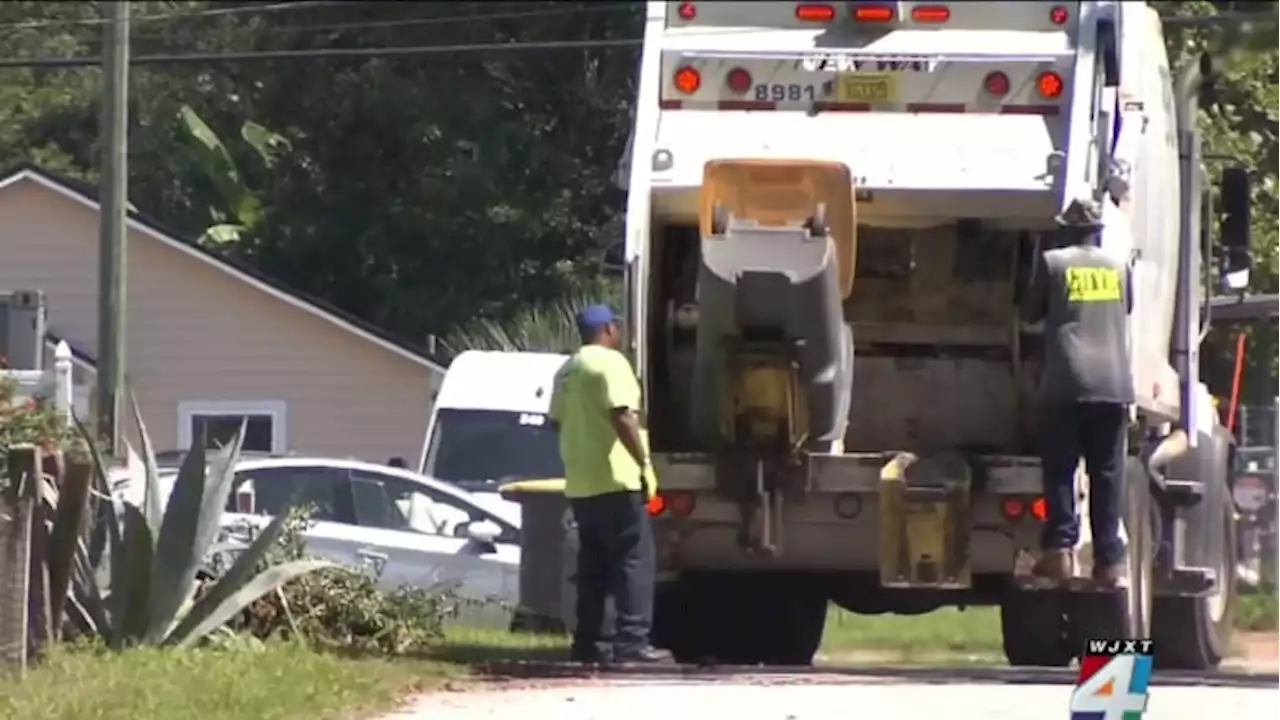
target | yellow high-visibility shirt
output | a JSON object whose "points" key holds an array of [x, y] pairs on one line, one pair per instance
{"points": [[591, 385]]}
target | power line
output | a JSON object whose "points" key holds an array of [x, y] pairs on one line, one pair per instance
{"points": [[321, 53], [444, 20], [208, 12]]}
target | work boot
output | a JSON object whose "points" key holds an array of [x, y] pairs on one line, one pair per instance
{"points": [[646, 655], [1113, 576], [589, 655], [1055, 564]]}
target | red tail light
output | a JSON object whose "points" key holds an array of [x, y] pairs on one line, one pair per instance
{"points": [[874, 12], [687, 80], [1014, 508], [1049, 85], [680, 504], [687, 11], [1059, 15], [997, 83], [656, 505], [815, 13], [931, 14], [738, 80]]}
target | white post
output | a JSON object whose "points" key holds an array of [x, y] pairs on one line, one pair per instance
{"points": [[64, 387]]}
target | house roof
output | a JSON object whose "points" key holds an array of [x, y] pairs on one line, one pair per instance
{"points": [[87, 195], [78, 353]]}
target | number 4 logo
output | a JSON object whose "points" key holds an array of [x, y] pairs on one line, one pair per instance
{"points": [[1111, 693]]}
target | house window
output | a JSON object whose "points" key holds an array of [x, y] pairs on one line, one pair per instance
{"points": [[264, 423]]}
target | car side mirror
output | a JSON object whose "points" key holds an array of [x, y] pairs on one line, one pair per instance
{"points": [[485, 532], [1234, 230]]}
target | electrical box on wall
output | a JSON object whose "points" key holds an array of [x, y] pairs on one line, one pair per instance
{"points": [[22, 329]]}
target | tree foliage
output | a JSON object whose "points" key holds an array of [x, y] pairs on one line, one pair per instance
{"points": [[1238, 122], [420, 192]]}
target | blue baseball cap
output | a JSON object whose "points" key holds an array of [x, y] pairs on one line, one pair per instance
{"points": [[593, 318]]}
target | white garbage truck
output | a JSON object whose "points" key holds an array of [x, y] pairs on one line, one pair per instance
{"points": [[833, 215]]}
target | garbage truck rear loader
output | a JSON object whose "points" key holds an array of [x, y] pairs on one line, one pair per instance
{"points": [[833, 214]]}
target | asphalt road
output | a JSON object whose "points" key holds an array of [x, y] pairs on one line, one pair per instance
{"points": [[728, 694]]}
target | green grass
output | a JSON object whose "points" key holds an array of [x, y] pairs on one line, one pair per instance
{"points": [[279, 681], [974, 632], [1258, 610], [275, 681], [470, 646]]}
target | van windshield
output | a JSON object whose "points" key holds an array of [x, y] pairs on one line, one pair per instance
{"points": [[479, 446]]}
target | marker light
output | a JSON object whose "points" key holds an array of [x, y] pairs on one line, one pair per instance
{"points": [[687, 11], [681, 504], [931, 14], [687, 80], [997, 83], [873, 13], [815, 13], [1049, 85], [1039, 510], [1058, 15], [1012, 508], [738, 80]]}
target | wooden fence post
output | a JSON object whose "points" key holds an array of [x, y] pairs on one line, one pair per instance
{"points": [[18, 511], [39, 622]]}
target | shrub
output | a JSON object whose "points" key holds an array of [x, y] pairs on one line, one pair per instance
{"points": [[28, 420], [344, 609]]}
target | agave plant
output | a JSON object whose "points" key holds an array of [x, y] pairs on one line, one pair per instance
{"points": [[154, 552]]}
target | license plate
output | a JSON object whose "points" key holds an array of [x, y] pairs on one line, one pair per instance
{"points": [[864, 87]]}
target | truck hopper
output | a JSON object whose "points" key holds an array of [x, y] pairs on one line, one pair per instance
{"points": [[774, 357]]}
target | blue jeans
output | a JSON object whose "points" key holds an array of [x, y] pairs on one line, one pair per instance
{"points": [[1095, 431], [615, 557]]}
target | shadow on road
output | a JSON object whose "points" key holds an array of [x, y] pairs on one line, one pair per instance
{"points": [[538, 668], [485, 657]]}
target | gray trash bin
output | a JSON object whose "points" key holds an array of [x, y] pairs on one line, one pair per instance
{"points": [[548, 558]]}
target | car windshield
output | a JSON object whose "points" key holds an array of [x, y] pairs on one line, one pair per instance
{"points": [[479, 445]]}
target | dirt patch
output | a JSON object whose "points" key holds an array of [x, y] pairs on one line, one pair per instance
{"points": [[1256, 652]]}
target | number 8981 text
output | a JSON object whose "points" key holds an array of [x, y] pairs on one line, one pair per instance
{"points": [[780, 93]]}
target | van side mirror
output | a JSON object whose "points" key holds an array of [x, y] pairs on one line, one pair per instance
{"points": [[1234, 230]]}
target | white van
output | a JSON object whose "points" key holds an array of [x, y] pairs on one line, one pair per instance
{"points": [[490, 425]]}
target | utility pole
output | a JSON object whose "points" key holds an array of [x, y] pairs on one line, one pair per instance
{"points": [[113, 171]]}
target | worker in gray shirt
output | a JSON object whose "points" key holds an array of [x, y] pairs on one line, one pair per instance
{"points": [[1083, 295]]}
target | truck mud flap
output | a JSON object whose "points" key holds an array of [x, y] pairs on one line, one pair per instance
{"points": [[924, 522]]}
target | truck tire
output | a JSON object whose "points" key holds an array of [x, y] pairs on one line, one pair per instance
{"points": [[1194, 633], [741, 618], [1033, 631]]}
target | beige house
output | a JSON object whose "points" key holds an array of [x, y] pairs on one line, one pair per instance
{"points": [[209, 338]]}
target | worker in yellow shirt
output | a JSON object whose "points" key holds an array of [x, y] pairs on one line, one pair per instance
{"points": [[595, 408]]}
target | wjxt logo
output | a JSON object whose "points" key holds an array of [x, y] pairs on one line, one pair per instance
{"points": [[1120, 647]]}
